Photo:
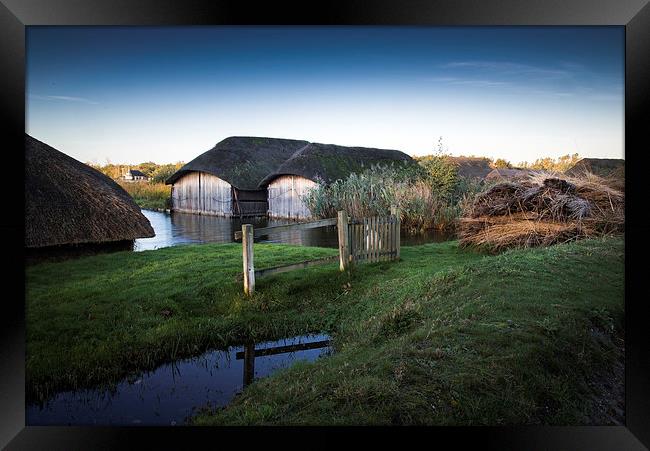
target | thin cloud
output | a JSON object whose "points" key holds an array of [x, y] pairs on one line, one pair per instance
{"points": [[486, 83], [65, 99], [509, 68], [469, 81], [552, 93]]}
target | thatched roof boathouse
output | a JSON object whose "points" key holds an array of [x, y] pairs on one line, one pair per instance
{"points": [[249, 176], [318, 163], [225, 180], [70, 203]]}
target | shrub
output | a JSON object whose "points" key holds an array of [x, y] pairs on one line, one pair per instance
{"points": [[163, 172], [440, 174]]}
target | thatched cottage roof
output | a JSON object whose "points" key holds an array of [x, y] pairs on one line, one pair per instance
{"points": [[68, 202], [329, 162], [472, 167], [242, 161], [599, 166]]}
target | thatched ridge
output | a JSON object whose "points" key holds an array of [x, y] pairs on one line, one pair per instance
{"points": [[603, 167], [512, 174], [329, 162], [242, 161], [68, 202], [472, 167], [251, 163]]}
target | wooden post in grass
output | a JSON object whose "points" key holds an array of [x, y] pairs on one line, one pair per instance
{"points": [[395, 212], [344, 245], [247, 250]]}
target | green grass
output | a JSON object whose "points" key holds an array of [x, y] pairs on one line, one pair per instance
{"points": [[94, 319], [445, 336]]}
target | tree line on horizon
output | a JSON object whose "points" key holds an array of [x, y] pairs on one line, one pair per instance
{"points": [[560, 164], [157, 172], [161, 172]]}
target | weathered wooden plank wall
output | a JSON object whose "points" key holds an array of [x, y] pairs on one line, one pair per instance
{"points": [[199, 192], [285, 194]]}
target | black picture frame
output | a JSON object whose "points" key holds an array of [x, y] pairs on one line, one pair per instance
{"points": [[634, 15]]}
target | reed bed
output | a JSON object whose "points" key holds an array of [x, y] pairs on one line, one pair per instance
{"points": [[542, 210], [423, 203], [149, 195]]}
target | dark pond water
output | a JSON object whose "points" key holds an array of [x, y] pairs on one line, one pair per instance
{"points": [[183, 228], [171, 393]]}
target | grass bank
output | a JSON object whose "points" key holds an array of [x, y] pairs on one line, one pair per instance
{"points": [[527, 337], [445, 336]]}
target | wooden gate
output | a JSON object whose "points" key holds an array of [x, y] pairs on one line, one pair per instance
{"points": [[369, 240], [374, 239]]}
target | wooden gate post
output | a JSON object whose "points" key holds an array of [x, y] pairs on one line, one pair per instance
{"points": [[395, 212], [344, 242], [247, 250]]}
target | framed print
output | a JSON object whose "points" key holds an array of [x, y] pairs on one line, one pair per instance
{"points": [[358, 214]]}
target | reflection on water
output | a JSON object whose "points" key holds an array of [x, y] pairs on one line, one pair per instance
{"points": [[170, 394], [184, 228]]}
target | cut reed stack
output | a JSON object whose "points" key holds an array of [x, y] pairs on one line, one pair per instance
{"points": [[543, 210]]}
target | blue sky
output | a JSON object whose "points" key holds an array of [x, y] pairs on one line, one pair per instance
{"points": [[166, 94]]}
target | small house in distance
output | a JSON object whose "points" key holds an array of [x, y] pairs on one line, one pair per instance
{"points": [[252, 176], [133, 175], [70, 203]]}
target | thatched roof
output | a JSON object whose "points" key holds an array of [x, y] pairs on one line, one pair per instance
{"points": [[511, 174], [242, 161], [472, 167], [136, 173], [68, 202], [329, 162], [251, 163], [600, 166]]}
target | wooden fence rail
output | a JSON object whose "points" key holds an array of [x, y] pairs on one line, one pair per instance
{"points": [[298, 226], [290, 267], [369, 240]]}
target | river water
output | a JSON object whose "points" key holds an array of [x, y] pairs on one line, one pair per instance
{"points": [[184, 228]]}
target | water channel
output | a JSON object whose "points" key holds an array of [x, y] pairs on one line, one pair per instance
{"points": [[171, 393]]}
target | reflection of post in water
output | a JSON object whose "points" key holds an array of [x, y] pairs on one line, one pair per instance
{"points": [[249, 363], [249, 354]]}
